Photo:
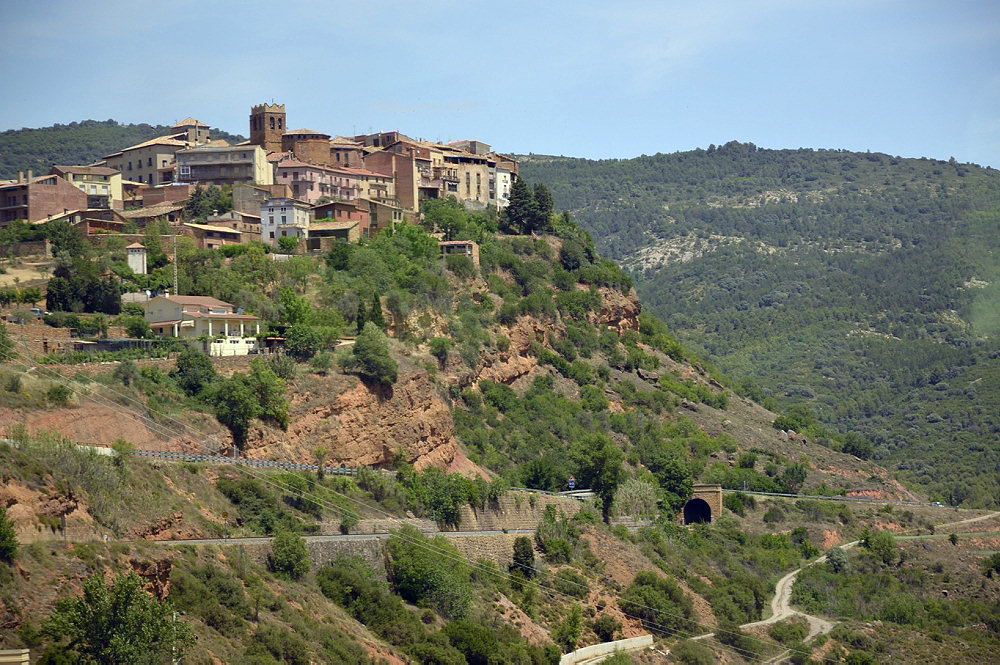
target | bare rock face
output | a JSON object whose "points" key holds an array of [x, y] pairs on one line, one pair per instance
{"points": [[618, 310], [155, 573], [366, 425]]}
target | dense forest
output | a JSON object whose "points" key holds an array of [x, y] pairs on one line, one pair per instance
{"points": [[75, 143], [858, 285]]}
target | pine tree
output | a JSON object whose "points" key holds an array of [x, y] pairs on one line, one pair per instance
{"points": [[544, 207], [522, 211]]}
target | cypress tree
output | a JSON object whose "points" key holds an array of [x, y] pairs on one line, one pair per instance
{"points": [[362, 314], [376, 313]]}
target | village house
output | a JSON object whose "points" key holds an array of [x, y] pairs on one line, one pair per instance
{"points": [[102, 185], [143, 162], [33, 199], [207, 236], [221, 331], [218, 163], [283, 218], [312, 182]]}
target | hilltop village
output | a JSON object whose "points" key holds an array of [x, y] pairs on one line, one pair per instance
{"points": [[297, 191], [286, 183]]}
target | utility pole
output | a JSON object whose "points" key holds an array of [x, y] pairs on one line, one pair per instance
{"points": [[176, 288]]}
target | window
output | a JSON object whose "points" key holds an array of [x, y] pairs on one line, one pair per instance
{"points": [[140, 178], [149, 161], [130, 166], [283, 220], [272, 234], [272, 123]]}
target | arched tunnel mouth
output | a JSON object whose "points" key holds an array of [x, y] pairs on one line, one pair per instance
{"points": [[697, 511]]}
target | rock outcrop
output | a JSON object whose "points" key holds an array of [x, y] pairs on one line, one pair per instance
{"points": [[362, 424]]}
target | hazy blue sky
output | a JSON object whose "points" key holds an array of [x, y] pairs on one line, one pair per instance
{"points": [[590, 79]]}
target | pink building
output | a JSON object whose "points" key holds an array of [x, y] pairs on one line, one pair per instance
{"points": [[311, 182]]}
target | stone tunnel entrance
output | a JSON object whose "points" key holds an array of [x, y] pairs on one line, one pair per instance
{"points": [[704, 506], [697, 511]]}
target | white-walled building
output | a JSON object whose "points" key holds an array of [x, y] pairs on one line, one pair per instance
{"points": [[226, 333], [283, 217], [136, 258]]}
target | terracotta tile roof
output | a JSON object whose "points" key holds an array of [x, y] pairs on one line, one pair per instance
{"points": [[151, 211], [334, 225], [87, 170], [206, 301], [187, 122], [206, 227], [305, 131], [135, 245]]}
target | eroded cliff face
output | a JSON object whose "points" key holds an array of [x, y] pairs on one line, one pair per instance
{"points": [[363, 424]]}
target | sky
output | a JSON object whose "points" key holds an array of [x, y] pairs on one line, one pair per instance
{"points": [[618, 79]]}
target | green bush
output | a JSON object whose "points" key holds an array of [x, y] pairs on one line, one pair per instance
{"points": [[658, 602], [278, 643], [289, 556], [570, 583], [58, 394], [429, 572], [370, 356], [8, 537], [605, 627], [788, 632]]}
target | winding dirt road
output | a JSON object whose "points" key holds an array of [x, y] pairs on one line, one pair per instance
{"points": [[782, 609]]}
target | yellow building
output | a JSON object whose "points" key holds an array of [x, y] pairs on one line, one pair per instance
{"points": [[102, 185]]}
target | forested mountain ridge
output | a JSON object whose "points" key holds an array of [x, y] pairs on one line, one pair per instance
{"points": [[75, 143], [861, 285]]}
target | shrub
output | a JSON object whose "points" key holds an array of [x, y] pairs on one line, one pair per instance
{"points": [[774, 514], [439, 349], [658, 602], [193, 371], [279, 643], [460, 265], [282, 365], [836, 559], [58, 394], [571, 583], [788, 632], [524, 556], [429, 572], [126, 373], [881, 544], [8, 537], [322, 362], [370, 356], [605, 627], [118, 624], [690, 652], [289, 556]]}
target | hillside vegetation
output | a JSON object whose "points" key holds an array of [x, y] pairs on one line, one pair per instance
{"points": [[82, 142], [860, 288]]}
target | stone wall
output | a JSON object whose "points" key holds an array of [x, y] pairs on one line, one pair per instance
{"points": [[514, 510]]}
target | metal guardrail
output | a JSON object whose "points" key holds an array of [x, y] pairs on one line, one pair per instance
{"points": [[243, 461], [830, 497]]}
